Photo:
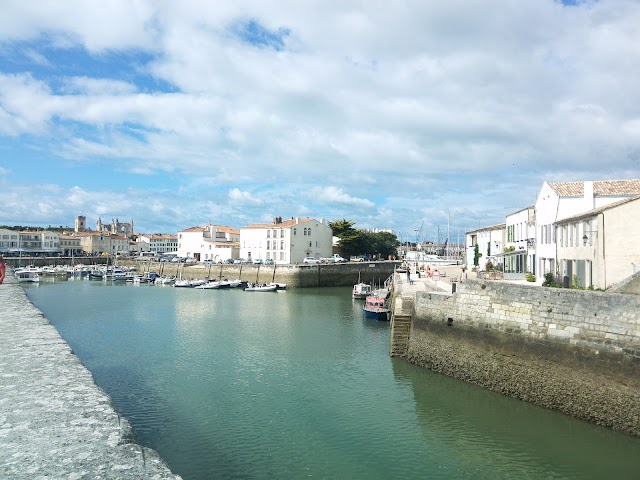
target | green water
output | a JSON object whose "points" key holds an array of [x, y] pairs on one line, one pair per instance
{"points": [[227, 384]]}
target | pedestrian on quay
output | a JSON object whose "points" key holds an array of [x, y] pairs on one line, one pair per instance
{"points": [[408, 274], [3, 269]]}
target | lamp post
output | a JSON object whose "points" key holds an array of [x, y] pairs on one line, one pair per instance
{"points": [[586, 238], [416, 230]]}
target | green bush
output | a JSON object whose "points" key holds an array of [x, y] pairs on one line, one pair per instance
{"points": [[550, 281], [530, 277]]}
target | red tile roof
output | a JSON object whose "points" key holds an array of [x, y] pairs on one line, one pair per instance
{"points": [[601, 188], [284, 224]]}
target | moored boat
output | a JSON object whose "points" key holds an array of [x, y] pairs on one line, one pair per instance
{"points": [[253, 287], [361, 290], [27, 276], [209, 285], [375, 307]]}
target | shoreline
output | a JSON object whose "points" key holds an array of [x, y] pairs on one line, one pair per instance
{"points": [[55, 421]]}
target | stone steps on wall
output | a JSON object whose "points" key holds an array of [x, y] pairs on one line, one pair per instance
{"points": [[400, 329]]}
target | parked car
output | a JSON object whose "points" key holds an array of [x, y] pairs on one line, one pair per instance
{"points": [[207, 261], [257, 261], [311, 260], [238, 261], [229, 261], [269, 261]]}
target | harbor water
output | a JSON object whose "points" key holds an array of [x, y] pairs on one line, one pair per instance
{"points": [[227, 384]]}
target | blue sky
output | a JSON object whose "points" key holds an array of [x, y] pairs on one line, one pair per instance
{"points": [[395, 115]]}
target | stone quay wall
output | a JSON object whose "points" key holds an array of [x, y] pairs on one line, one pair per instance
{"points": [[569, 350], [55, 422], [297, 276]]}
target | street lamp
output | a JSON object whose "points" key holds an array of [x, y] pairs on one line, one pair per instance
{"points": [[586, 238]]}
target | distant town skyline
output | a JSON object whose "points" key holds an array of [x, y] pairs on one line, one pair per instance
{"points": [[411, 116]]}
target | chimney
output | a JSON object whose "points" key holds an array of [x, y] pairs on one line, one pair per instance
{"points": [[589, 197], [297, 220]]}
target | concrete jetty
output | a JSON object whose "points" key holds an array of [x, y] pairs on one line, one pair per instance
{"points": [[55, 422]]}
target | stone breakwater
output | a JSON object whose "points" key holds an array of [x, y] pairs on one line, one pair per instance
{"points": [[55, 422], [572, 351], [297, 276]]}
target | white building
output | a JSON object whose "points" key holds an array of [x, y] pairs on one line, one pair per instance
{"points": [[157, 243], [600, 247], [9, 240], [489, 242], [519, 255], [210, 242], [70, 245], [559, 200], [288, 241]]}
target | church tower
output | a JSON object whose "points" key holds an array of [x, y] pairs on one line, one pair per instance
{"points": [[80, 224]]}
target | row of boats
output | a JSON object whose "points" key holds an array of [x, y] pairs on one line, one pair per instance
{"points": [[375, 300], [31, 274]]}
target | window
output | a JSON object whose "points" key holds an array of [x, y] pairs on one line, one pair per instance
{"points": [[281, 233], [305, 231], [268, 233], [294, 231], [309, 243], [281, 244], [268, 244]]}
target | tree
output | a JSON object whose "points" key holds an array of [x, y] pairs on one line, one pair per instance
{"points": [[355, 241], [476, 255], [341, 227]]}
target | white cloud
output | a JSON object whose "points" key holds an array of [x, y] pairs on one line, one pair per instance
{"points": [[409, 102], [243, 198], [331, 194]]}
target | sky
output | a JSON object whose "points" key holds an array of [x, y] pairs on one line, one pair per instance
{"points": [[422, 116]]}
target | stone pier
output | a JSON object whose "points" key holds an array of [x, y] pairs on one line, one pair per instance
{"points": [[55, 422]]}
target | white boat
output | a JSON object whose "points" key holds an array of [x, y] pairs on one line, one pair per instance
{"points": [[279, 286], [252, 287], [361, 290], [165, 280], [27, 276], [28, 268], [224, 283], [190, 283], [375, 306], [208, 285], [52, 271]]}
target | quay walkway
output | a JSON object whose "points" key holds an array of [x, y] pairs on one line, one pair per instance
{"points": [[55, 422]]}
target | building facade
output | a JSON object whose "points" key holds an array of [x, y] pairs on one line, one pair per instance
{"points": [[599, 248], [210, 242], [70, 245], [559, 200], [9, 241], [488, 242], [158, 243], [98, 243], [286, 241], [519, 255]]}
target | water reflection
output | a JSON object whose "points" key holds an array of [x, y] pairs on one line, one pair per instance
{"points": [[488, 434]]}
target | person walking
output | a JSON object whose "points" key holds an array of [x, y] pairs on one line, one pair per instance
{"points": [[3, 269], [408, 274]]}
